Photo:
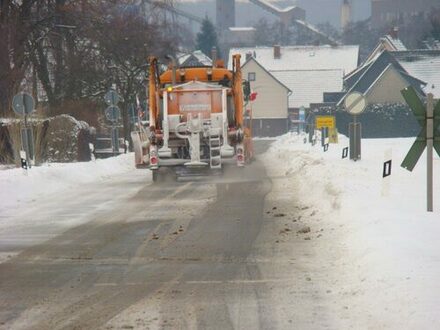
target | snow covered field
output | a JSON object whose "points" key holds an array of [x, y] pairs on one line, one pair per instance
{"points": [[380, 240]]}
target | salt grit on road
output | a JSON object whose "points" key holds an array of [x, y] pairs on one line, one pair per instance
{"points": [[375, 252]]}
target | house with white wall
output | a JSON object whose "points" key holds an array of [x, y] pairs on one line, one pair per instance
{"points": [[270, 108], [307, 71]]}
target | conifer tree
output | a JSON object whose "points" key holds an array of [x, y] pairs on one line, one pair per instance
{"points": [[207, 37]]}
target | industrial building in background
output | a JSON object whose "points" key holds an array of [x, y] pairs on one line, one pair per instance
{"points": [[225, 14], [290, 16], [390, 11]]}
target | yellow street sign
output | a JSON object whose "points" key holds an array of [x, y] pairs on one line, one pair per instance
{"points": [[325, 121], [333, 135]]}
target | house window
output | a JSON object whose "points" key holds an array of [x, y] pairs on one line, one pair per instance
{"points": [[251, 76]]}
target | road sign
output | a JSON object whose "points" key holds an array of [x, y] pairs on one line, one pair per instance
{"points": [[113, 113], [355, 103], [419, 111], [111, 97], [325, 121], [23, 104], [333, 135], [429, 137]]}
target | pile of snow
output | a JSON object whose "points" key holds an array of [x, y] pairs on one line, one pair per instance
{"points": [[19, 186], [391, 248]]}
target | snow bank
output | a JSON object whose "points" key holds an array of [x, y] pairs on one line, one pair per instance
{"points": [[18, 186], [391, 258]]}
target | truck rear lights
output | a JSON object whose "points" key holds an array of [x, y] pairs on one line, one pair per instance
{"points": [[154, 160], [240, 155]]}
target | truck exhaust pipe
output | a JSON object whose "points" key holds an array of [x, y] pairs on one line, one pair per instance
{"points": [[214, 56], [174, 68]]}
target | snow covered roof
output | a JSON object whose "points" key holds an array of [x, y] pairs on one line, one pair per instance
{"points": [[325, 57], [242, 29], [432, 44], [367, 75], [389, 43], [191, 59], [395, 43], [251, 59], [308, 86], [424, 65], [266, 5]]}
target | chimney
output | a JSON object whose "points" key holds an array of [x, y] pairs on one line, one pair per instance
{"points": [[345, 13], [394, 32], [277, 52], [248, 56], [214, 55]]}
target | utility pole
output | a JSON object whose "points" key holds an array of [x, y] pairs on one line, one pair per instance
{"points": [[429, 149]]}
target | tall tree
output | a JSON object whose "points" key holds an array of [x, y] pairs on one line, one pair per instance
{"points": [[362, 34], [435, 23], [207, 37], [263, 35], [16, 22], [76, 49], [126, 49]]}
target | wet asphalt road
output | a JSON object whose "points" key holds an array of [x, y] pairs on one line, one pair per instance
{"points": [[143, 256]]}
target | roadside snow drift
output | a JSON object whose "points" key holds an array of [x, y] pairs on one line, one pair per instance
{"points": [[17, 186], [390, 260]]}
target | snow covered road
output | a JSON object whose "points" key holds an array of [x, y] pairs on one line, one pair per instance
{"points": [[299, 240]]}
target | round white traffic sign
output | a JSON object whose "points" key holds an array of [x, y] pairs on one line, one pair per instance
{"points": [[113, 113], [355, 103], [111, 97], [23, 104]]}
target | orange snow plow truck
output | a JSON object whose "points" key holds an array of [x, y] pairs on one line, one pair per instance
{"points": [[199, 120]]}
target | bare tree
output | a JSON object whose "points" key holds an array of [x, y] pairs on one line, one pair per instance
{"points": [[15, 24], [69, 48], [125, 51]]}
